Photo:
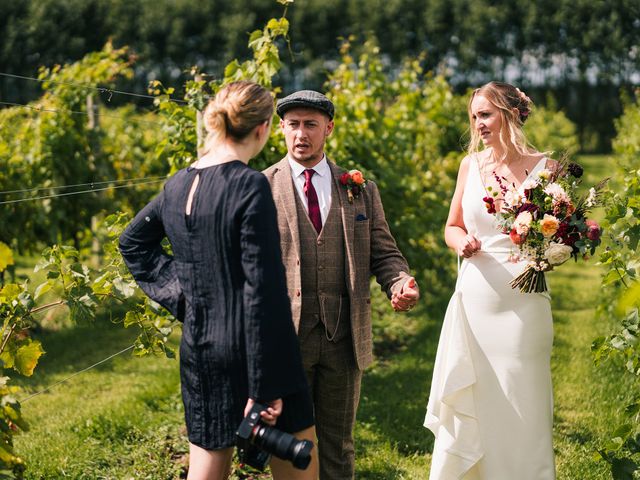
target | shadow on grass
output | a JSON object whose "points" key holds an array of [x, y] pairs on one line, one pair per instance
{"points": [[572, 431], [71, 349], [379, 472], [395, 393]]}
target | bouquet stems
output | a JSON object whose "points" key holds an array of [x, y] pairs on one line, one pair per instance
{"points": [[530, 281]]}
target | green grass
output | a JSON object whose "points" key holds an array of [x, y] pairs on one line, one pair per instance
{"points": [[123, 419], [587, 398]]}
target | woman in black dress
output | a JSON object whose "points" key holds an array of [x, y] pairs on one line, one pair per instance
{"points": [[225, 280]]}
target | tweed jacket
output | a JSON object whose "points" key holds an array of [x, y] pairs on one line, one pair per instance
{"points": [[370, 249]]}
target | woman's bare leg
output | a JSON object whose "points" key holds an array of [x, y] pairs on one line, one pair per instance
{"points": [[284, 470], [209, 464]]}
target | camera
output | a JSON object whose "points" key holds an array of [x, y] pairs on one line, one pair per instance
{"points": [[258, 441]]}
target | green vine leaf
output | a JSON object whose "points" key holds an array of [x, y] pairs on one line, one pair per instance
{"points": [[6, 256], [42, 289], [629, 299], [27, 357]]}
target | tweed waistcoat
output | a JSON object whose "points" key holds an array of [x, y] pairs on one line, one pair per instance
{"points": [[322, 267]]}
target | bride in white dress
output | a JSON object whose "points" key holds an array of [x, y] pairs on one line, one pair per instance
{"points": [[491, 403]]}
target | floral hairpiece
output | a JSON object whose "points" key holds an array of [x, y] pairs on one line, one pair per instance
{"points": [[354, 182], [523, 96], [523, 110]]}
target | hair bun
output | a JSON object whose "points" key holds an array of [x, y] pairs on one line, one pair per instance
{"points": [[215, 117], [235, 110]]}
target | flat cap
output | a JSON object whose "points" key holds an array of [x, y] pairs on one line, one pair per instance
{"points": [[305, 99]]}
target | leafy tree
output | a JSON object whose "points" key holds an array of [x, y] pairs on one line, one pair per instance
{"points": [[582, 51], [53, 146], [550, 130]]}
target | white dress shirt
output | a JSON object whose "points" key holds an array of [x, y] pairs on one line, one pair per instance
{"points": [[321, 181]]}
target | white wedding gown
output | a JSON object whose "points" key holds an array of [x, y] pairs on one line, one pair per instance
{"points": [[491, 402]]}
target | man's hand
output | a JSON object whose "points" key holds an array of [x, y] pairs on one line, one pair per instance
{"points": [[407, 297]]}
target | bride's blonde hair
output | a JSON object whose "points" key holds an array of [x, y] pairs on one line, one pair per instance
{"points": [[514, 107]]}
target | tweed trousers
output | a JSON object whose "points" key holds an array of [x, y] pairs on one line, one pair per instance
{"points": [[335, 381]]}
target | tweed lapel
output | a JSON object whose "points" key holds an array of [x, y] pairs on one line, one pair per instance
{"points": [[348, 224], [284, 194]]}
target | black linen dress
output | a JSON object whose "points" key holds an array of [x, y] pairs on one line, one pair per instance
{"points": [[225, 280]]}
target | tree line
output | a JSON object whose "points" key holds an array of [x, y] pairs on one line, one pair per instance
{"points": [[578, 53]]}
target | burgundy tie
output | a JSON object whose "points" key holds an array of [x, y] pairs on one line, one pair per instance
{"points": [[312, 200]]}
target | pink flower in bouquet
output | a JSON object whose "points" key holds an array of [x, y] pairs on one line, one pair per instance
{"points": [[528, 185], [523, 223], [558, 193], [517, 238], [513, 198], [549, 225], [593, 230]]}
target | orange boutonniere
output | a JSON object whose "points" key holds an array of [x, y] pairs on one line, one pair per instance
{"points": [[355, 182]]}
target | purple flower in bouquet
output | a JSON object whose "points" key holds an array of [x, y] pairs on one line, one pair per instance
{"points": [[528, 207], [575, 170], [568, 234]]}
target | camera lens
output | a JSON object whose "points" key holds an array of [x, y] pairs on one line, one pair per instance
{"points": [[284, 446]]}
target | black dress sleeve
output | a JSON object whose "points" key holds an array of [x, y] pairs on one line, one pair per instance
{"points": [[153, 269], [273, 355]]}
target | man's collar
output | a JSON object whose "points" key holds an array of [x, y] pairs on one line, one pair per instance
{"points": [[321, 168]]}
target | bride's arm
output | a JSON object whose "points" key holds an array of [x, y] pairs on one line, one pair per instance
{"points": [[455, 232]]}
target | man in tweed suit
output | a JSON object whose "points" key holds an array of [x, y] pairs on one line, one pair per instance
{"points": [[331, 245]]}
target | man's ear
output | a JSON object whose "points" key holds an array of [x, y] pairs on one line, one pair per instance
{"points": [[329, 127]]}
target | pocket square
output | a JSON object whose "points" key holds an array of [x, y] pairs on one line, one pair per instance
{"points": [[361, 217]]}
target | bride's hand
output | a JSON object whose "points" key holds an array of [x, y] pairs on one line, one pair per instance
{"points": [[468, 246]]}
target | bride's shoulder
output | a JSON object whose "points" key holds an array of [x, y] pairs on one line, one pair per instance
{"points": [[465, 165], [470, 158], [473, 158]]}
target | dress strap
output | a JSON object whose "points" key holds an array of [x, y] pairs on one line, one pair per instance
{"points": [[539, 166]]}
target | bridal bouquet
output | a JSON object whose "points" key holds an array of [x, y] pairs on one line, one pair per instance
{"points": [[546, 220]]}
